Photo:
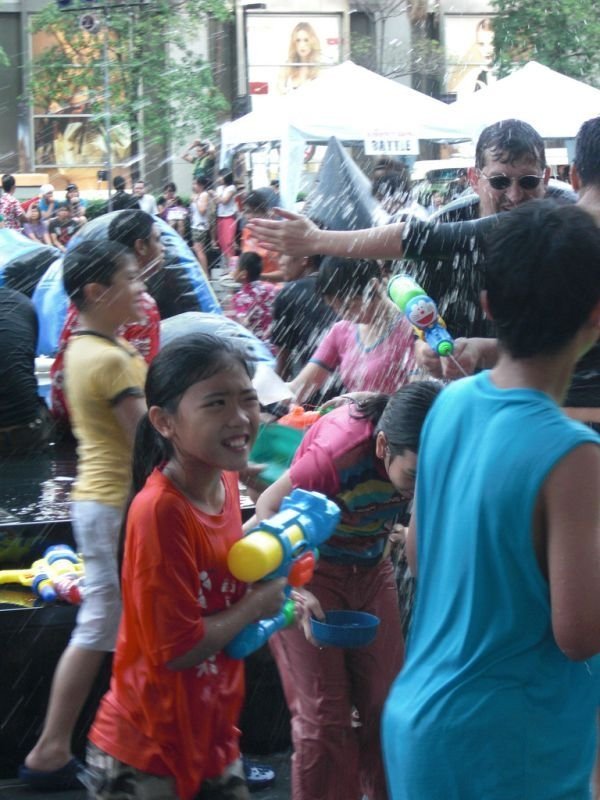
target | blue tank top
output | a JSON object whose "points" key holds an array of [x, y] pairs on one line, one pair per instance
{"points": [[487, 706]]}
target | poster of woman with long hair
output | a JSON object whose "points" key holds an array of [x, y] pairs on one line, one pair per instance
{"points": [[286, 51], [469, 54]]}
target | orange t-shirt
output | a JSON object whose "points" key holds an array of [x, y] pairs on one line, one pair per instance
{"points": [[270, 258], [161, 721]]}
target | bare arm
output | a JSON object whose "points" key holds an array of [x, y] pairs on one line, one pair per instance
{"points": [[187, 153], [262, 600], [46, 215], [32, 236], [268, 503], [56, 243], [297, 235], [128, 412], [310, 379], [202, 203], [572, 515]]}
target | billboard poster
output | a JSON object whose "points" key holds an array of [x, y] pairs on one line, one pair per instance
{"points": [[284, 51], [469, 45], [68, 120]]}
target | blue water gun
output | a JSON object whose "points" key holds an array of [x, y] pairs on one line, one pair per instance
{"points": [[286, 545], [421, 311]]}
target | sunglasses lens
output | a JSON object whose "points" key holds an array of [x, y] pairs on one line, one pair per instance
{"points": [[499, 182], [529, 182]]}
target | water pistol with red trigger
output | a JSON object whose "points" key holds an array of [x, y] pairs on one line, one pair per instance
{"points": [[56, 576], [286, 545]]}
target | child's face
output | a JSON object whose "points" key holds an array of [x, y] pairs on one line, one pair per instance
{"points": [[121, 299], [401, 469], [402, 472], [216, 421]]}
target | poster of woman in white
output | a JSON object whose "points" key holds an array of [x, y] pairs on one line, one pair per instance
{"points": [[286, 51]]}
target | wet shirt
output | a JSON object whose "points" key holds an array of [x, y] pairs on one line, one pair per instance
{"points": [[143, 334], [19, 401], [485, 693], [337, 458], [383, 366], [181, 723], [99, 372], [446, 260]]}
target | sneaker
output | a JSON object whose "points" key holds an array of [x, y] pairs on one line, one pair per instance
{"points": [[258, 776]]}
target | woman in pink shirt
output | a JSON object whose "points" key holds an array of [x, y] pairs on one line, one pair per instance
{"points": [[372, 346]]}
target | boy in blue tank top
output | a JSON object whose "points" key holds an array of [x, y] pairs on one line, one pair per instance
{"points": [[499, 690]]}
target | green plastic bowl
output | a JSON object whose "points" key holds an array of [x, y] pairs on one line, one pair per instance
{"points": [[275, 446]]}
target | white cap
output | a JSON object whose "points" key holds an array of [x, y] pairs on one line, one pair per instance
{"points": [[46, 188]]}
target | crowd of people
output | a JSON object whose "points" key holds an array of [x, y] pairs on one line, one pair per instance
{"points": [[481, 492]]}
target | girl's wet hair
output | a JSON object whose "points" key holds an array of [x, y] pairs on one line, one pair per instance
{"points": [[346, 277], [179, 365], [91, 261], [401, 415]]}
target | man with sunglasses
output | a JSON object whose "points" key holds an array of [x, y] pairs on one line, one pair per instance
{"points": [[445, 259]]}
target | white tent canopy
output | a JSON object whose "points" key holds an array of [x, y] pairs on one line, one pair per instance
{"points": [[345, 101], [553, 104], [348, 102]]}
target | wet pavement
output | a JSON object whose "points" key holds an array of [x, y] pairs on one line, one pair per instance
{"points": [[34, 513]]}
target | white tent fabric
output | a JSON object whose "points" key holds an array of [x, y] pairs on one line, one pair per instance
{"points": [[348, 102], [552, 103]]}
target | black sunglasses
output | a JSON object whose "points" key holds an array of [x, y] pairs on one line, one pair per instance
{"points": [[501, 182]]}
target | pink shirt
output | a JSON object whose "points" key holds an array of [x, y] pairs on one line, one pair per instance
{"points": [[337, 457], [382, 367]]}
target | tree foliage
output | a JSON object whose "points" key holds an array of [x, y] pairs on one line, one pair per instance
{"points": [[564, 35], [158, 83]]}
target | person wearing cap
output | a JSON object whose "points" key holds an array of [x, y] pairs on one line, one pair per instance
{"points": [[47, 203]]}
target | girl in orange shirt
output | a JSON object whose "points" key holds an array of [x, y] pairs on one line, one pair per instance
{"points": [[167, 726]]}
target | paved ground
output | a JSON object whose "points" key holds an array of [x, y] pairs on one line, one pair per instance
{"points": [[14, 790]]}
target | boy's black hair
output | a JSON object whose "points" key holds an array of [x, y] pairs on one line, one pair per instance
{"points": [[508, 141], [252, 264], [119, 183], [91, 262], [345, 277], [542, 274], [8, 182], [129, 225], [401, 415], [587, 152], [257, 200], [170, 187]]}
